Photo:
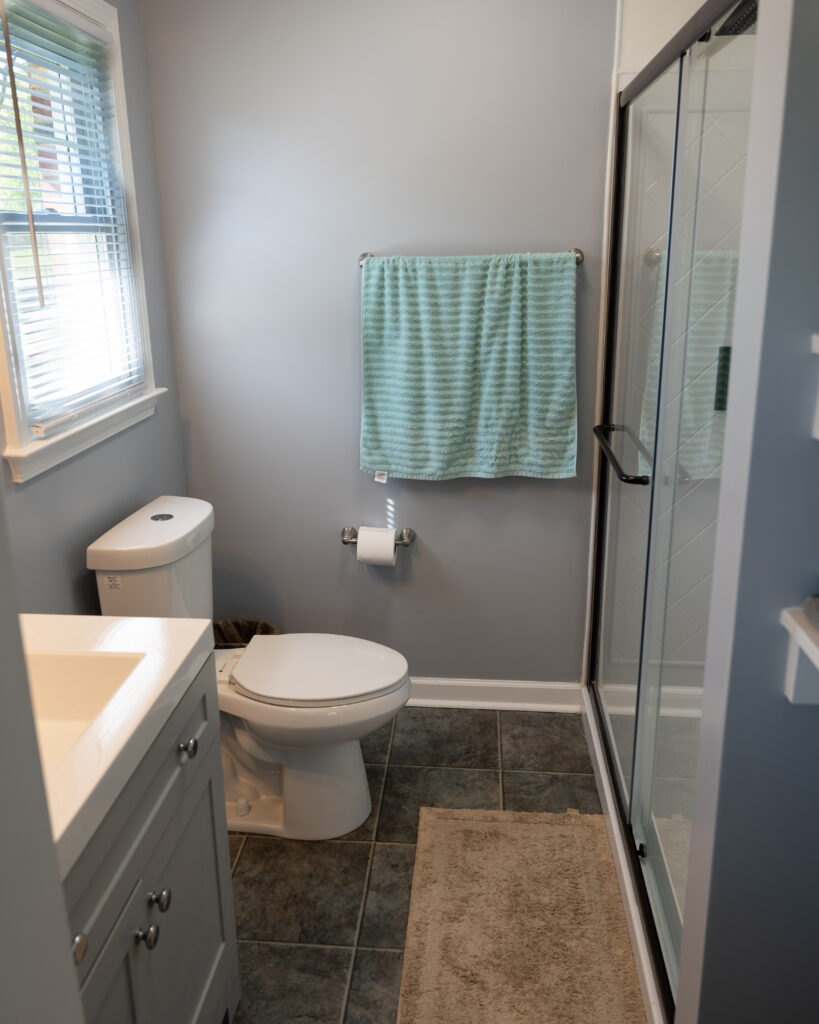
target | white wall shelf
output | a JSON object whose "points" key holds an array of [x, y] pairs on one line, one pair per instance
{"points": [[802, 668]]}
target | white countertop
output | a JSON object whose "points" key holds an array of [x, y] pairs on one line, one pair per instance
{"points": [[85, 774]]}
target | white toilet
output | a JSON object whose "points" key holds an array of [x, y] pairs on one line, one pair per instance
{"points": [[293, 707]]}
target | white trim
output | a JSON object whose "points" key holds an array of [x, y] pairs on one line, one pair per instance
{"points": [[676, 701], [30, 458], [495, 694], [38, 456], [643, 960]]}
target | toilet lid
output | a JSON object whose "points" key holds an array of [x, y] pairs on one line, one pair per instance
{"points": [[316, 669]]}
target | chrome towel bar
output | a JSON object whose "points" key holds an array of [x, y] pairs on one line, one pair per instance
{"points": [[578, 256]]}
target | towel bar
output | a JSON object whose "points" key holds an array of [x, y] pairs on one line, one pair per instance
{"points": [[578, 256], [405, 537]]}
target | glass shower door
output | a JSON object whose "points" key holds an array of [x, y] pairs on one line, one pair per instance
{"points": [[627, 436], [690, 422]]}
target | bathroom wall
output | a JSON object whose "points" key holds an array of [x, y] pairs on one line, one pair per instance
{"points": [[752, 901], [647, 25], [292, 137], [52, 518]]}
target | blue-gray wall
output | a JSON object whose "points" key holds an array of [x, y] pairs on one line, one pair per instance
{"points": [[52, 518], [290, 138], [752, 901]]}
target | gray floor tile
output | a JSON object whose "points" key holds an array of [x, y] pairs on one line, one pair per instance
{"points": [[236, 841], [364, 832], [446, 737], [375, 746], [285, 985], [375, 988], [388, 897], [289, 891], [536, 791], [542, 741], [408, 789]]}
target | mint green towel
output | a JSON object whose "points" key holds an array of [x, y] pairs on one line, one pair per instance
{"points": [[469, 366]]}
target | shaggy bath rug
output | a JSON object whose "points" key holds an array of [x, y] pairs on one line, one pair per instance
{"points": [[516, 919]]}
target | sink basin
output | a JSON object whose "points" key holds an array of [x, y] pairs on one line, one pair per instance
{"points": [[68, 690], [102, 688]]}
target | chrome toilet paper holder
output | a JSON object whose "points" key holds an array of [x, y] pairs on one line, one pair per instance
{"points": [[403, 538]]}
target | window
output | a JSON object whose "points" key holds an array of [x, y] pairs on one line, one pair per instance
{"points": [[76, 354]]}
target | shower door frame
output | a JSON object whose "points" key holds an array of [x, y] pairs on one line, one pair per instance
{"points": [[674, 52], [605, 412]]}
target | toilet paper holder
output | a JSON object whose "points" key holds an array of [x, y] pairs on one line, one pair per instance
{"points": [[403, 539]]}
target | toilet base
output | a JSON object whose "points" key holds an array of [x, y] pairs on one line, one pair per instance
{"points": [[296, 794]]}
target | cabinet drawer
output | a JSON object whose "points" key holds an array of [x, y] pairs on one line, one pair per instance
{"points": [[99, 883]]}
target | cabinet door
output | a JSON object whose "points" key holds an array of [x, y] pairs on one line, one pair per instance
{"points": [[196, 931], [113, 992]]}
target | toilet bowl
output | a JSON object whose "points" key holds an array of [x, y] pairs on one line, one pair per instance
{"points": [[293, 707]]}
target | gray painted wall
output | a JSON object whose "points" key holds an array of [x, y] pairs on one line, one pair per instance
{"points": [[292, 137], [37, 977], [52, 518], [749, 942]]}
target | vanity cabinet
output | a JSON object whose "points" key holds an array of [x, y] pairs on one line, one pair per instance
{"points": [[149, 899]]}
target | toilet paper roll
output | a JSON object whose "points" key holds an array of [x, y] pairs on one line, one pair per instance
{"points": [[376, 545]]}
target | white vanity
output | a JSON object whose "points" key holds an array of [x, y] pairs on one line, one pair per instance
{"points": [[128, 726]]}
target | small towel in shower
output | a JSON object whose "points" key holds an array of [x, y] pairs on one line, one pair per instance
{"points": [[469, 366]]}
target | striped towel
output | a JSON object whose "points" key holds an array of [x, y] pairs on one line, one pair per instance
{"points": [[697, 333], [469, 366]]}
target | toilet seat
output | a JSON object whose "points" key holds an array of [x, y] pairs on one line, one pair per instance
{"points": [[316, 670]]}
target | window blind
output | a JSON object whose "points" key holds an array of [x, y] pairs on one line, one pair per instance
{"points": [[82, 346]]}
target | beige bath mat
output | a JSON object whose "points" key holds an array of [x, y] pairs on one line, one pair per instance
{"points": [[516, 919]]}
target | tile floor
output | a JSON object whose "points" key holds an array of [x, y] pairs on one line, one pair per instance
{"points": [[321, 925]]}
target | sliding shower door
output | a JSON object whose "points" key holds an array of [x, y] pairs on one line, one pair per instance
{"points": [[668, 381], [650, 134]]}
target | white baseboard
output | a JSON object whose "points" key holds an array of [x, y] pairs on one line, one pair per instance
{"points": [[495, 694], [649, 985]]}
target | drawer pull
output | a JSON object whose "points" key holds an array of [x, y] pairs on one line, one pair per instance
{"points": [[161, 899], [79, 945], [190, 749], [149, 935]]}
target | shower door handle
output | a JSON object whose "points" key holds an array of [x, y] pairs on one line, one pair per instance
{"points": [[600, 432]]}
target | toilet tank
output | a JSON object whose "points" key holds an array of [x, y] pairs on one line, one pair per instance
{"points": [[157, 561]]}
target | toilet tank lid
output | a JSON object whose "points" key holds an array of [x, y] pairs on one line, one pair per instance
{"points": [[160, 533]]}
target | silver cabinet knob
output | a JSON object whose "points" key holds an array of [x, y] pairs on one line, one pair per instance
{"points": [[79, 946], [191, 748], [149, 935], [161, 899]]}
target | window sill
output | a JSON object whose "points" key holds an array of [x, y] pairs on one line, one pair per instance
{"points": [[38, 456]]}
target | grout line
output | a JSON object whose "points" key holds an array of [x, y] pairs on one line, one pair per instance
{"points": [[500, 763], [366, 888], [294, 945], [527, 771], [380, 949], [235, 863], [444, 767]]}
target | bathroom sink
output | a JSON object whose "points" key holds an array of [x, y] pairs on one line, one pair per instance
{"points": [[101, 688], [69, 689]]}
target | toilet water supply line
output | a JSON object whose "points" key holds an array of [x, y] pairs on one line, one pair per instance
{"points": [[35, 252]]}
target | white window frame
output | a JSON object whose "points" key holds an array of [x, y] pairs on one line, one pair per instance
{"points": [[28, 458]]}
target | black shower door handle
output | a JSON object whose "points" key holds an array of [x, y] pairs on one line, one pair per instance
{"points": [[600, 432]]}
